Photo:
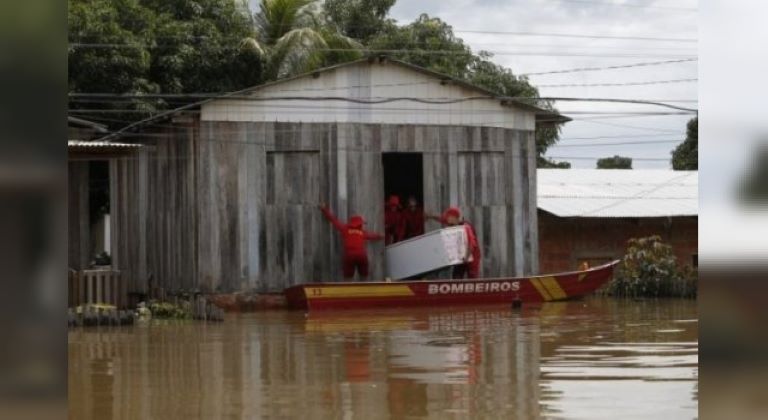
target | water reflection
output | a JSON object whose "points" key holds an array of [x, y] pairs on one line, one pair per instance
{"points": [[577, 359]]}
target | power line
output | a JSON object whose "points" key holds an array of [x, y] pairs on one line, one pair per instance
{"points": [[415, 51], [379, 100], [637, 6], [654, 82], [616, 100], [612, 137], [585, 69], [638, 195], [628, 143], [512, 33], [233, 43], [600, 157], [660, 130], [333, 98], [566, 35]]}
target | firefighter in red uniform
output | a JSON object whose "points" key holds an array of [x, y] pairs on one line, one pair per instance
{"points": [[413, 219], [355, 239], [452, 217], [393, 221]]}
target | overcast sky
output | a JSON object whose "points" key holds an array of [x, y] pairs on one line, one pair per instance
{"points": [[675, 19]]}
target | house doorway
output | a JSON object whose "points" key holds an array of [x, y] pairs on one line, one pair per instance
{"points": [[404, 176]]}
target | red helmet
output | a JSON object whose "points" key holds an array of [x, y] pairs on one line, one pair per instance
{"points": [[393, 201], [356, 221], [452, 211]]}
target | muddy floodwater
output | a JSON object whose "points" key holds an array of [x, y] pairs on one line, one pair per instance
{"points": [[596, 358]]}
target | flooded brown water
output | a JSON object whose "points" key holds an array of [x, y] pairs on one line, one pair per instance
{"points": [[597, 358]]}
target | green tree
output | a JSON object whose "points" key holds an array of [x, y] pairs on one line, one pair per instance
{"points": [[426, 42], [551, 164], [431, 43], [158, 46], [293, 37], [615, 162], [358, 19], [685, 157]]}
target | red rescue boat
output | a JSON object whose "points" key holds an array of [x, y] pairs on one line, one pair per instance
{"points": [[346, 295]]}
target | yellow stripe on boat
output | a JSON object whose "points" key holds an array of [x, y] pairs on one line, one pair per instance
{"points": [[553, 287], [387, 290], [540, 287]]}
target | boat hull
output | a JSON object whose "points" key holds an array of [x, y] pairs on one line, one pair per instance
{"points": [[348, 295]]}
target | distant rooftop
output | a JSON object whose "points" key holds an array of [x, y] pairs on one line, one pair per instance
{"points": [[618, 192]]}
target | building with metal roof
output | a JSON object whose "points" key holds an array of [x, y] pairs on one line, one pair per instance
{"points": [[587, 215], [618, 193], [227, 198]]}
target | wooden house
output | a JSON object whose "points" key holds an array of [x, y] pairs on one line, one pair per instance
{"points": [[227, 199]]}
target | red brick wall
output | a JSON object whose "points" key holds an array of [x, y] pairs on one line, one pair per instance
{"points": [[564, 242]]}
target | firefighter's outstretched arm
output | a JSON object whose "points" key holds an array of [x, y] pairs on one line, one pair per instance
{"points": [[331, 218], [373, 236]]}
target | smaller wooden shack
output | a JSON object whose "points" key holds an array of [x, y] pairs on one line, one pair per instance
{"points": [[88, 188], [587, 215]]}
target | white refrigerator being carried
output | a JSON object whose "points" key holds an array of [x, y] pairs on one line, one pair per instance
{"points": [[429, 252]]}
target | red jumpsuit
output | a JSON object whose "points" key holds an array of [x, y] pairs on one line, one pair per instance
{"points": [[413, 222], [393, 224], [470, 268], [354, 239]]}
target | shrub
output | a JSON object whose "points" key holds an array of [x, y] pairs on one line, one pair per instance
{"points": [[168, 310], [649, 269]]}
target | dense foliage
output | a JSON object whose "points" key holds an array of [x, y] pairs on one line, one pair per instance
{"points": [[649, 269], [158, 46], [685, 157], [358, 19], [615, 162], [543, 162]]}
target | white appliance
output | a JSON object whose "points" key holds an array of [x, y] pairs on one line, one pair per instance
{"points": [[431, 251]]}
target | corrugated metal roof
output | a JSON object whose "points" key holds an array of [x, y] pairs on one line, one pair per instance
{"points": [[618, 192]]}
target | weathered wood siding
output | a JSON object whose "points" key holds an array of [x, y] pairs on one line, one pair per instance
{"points": [[154, 201], [234, 205], [78, 215]]}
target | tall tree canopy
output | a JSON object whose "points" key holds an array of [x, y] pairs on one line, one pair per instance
{"points": [[181, 46], [159, 46], [358, 19], [685, 157], [615, 162]]}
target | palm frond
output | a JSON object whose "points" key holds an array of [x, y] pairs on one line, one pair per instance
{"points": [[253, 45]]}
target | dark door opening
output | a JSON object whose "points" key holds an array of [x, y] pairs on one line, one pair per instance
{"points": [[404, 176]]}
